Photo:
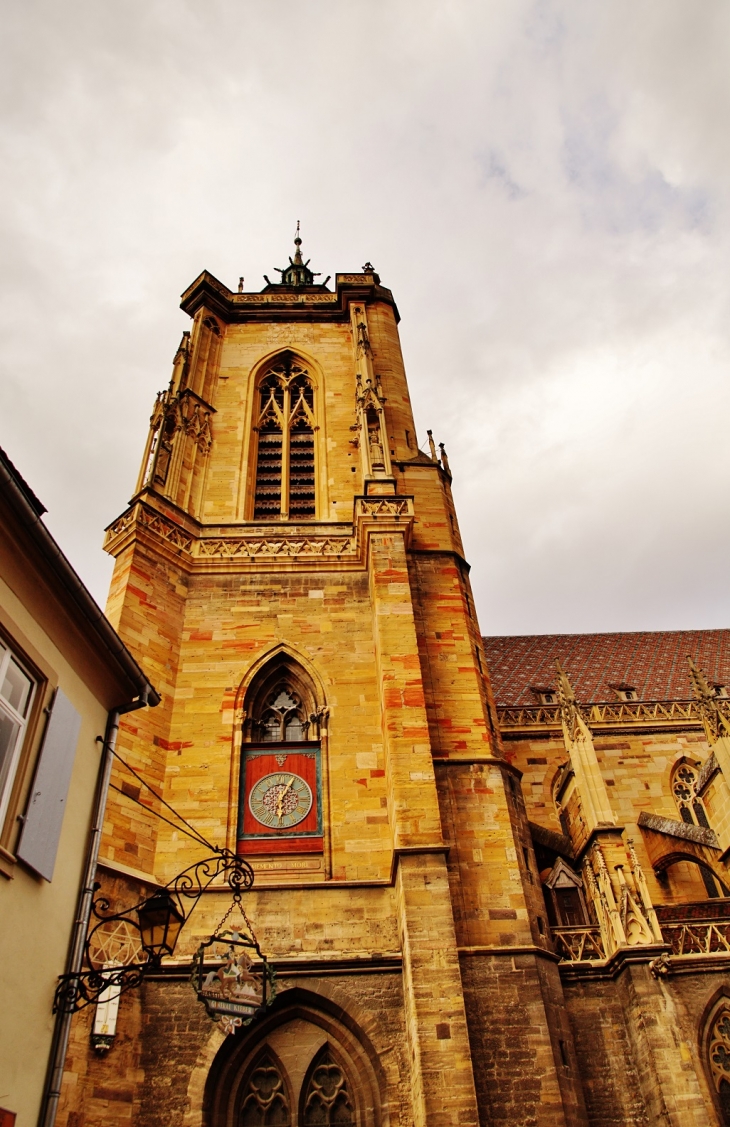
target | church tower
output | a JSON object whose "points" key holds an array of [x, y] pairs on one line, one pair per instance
{"points": [[291, 577]]}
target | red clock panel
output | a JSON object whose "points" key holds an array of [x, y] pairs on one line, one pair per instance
{"points": [[280, 808]]}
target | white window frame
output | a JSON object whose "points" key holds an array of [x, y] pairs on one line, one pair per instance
{"points": [[22, 721]]}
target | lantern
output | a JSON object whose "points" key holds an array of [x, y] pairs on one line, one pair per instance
{"points": [[160, 922]]}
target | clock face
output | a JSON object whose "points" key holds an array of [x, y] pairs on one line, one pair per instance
{"points": [[281, 800]]}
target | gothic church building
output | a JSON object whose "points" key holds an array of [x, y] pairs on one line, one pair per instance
{"points": [[488, 901]]}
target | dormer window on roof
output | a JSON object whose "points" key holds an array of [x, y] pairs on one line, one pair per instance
{"points": [[625, 691], [544, 693]]}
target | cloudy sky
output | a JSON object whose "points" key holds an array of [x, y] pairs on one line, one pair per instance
{"points": [[543, 184]]}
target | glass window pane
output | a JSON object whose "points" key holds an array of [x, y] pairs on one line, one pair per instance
{"points": [[294, 731], [9, 729], [272, 729], [16, 687]]}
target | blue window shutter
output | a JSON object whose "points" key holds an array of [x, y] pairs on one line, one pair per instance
{"points": [[47, 803]]}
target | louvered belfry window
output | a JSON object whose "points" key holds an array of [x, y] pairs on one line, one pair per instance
{"points": [[285, 462]]}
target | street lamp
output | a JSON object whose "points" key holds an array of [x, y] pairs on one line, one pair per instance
{"points": [[160, 923], [153, 926]]}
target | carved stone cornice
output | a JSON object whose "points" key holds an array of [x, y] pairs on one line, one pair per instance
{"points": [[285, 303], [198, 547], [289, 547], [602, 717]]}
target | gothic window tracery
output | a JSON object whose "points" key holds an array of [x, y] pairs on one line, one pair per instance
{"points": [[265, 1102], [689, 804], [692, 811], [283, 718], [327, 1101], [719, 1061], [285, 461], [282, 704], [280, 795]]}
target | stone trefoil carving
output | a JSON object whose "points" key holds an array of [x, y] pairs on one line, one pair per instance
{"points": [[327, 1100], [265, 1100], [385, 506], [164, 528]]}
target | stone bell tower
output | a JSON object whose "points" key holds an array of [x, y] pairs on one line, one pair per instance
{"points": [[291, 576]]}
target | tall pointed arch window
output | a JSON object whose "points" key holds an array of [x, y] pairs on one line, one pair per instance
{"points": [[692, 811], [265, 1102], [718, 1048], [285, 458], [689, 804], [326, 1100]]}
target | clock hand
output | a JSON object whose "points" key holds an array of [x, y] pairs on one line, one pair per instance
{"points": [[279, 809]]}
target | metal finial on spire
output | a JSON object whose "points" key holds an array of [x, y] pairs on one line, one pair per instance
{"points": [[297, 253], [297, 273]]}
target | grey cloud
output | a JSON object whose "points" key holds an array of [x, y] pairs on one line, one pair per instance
{"points": [[544, 185]]}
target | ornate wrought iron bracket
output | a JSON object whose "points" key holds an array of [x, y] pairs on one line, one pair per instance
{"points": [[124, 947]]}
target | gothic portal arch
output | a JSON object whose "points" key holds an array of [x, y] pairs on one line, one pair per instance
{"points": [[307, 1062]]}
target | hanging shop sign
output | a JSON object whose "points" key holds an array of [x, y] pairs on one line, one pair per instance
{"points": [[233, 986]]}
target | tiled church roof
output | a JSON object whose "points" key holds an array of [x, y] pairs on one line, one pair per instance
{"points": [[652, 662]]}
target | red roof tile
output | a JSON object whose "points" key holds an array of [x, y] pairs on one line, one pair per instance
{"points": [[654, 663]]}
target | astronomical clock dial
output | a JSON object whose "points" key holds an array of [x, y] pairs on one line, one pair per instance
{"points": [[281, 800]]}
